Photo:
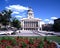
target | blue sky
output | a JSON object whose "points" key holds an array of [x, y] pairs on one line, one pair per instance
{"points": [[47, 10]]}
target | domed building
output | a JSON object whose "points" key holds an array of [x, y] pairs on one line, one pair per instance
{"points": [[30, 23]]}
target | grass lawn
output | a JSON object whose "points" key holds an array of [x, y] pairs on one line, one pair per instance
{"points": [[54, 38]]}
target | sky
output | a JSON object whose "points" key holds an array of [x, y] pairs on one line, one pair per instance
{"points": [[47, 10]]}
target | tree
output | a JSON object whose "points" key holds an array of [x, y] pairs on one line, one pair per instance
{"points": [[16, 23], [5, 16], [0, 17], [56, 25]]}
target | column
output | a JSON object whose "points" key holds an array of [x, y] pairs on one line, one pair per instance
{"points": [[38, 25], [41, 27], [31, 24], [23, 25], [35, 24]]}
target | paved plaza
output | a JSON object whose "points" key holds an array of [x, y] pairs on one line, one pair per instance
{"points": [[29, 33]]}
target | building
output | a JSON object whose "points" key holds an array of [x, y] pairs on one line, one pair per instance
{"points": [[47, 27], [57, 20], [30, 23], [56, 26]]}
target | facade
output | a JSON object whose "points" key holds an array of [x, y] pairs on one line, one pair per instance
{"points": [[30, 23], [47, 27]]}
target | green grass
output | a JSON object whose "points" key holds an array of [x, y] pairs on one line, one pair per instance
{"points": [[54, 38]]}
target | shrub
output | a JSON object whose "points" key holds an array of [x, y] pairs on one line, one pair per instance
{"points": [[40, 45], [31, 41], [14, 42], [8, 46], [45, 38], [24, 45]]}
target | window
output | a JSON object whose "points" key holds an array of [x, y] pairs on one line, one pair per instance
{"points": [[36, 24], [30, 14]]}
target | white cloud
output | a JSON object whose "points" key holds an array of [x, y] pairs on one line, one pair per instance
{"points": [[46, 20], [17, 8], [53, 18], [51, 22], [42, 22], [15, 12], [17, 16]]}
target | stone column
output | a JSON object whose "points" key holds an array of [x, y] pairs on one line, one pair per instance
{"points": [[41, 26], [35, 25], [26, 25], [31, 24], [38, 25], [23, 25]]}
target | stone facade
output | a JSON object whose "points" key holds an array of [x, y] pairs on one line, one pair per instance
{"points": [[30, 23]]}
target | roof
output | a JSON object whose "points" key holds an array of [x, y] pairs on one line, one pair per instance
{"points": [[32, 19]]}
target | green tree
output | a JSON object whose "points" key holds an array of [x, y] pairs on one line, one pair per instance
{"points": [[16, 23], [56, 25], [5, 17], [0, 17]]}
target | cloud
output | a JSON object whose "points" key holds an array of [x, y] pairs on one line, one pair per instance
{"points": [[53, 18], [42, 22], [51, 22], [19, 11], [17, 16], [17, 8], [46, 20], [20, 16], [15, 12]]}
